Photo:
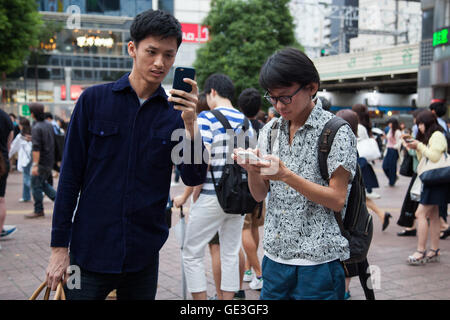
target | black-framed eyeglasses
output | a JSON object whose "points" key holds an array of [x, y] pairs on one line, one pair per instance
{"points": [[283, 99]]}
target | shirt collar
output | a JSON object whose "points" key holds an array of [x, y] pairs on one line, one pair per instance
{"points": [[314, 116], [124, 83]]}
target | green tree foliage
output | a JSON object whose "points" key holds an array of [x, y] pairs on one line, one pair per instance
{"points": [[20, 24], [243, 34]]}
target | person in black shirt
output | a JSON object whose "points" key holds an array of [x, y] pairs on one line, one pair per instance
{"points": [[43, 154], [6, 137]]}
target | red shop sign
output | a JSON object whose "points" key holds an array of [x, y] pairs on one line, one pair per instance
{"points": [[193, 32]]}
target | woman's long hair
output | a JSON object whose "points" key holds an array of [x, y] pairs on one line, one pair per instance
{"points": [[25, 124], [362, 112], [395, 125], [431, 125]]}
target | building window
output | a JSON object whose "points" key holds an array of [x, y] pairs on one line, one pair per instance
{"points": [[166, 5], [427, 24], [441, 14], [102, 5]]}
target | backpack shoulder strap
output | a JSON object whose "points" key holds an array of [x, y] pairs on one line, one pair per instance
{"points": [[273, 133], [222, 119], [326, 141]]}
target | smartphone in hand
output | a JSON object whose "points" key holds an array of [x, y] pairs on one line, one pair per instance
{"points": [[408, 139], [180, 74]]}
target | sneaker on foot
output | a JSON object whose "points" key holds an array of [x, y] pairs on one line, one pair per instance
{"points": [[347, 295], [239, 295], [7, 231], [248, 275], [23, 200], [257, 283], [373, 195]]}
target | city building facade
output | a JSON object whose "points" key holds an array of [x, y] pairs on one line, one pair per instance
{"points": [[434, 69], [90, 47]]}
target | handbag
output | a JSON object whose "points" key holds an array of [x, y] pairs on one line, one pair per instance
{"points": [[368, 148], [436, 173], [59, 295], [406, 168]]}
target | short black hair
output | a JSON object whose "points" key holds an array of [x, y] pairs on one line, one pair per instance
{"points": [[155, 23], [326, 104], [222, 84], [37, 109], [13, 115], [287, 67], [48, 115], [439, 108], [249, 102]]}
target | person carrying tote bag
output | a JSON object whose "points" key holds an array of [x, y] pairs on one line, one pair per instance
{"points": [[431, 146]]}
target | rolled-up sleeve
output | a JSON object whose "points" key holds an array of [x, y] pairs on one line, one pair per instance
{"points": [[72, 172], [343, 152]]}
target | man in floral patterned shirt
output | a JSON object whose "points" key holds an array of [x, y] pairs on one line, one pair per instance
{"points": [[302, 241]]}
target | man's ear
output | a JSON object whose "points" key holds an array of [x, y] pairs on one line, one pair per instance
{"points": [[132, 49], [313, 87]]}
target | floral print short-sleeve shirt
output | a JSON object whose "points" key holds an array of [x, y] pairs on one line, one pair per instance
{"points": [[295, 227]]}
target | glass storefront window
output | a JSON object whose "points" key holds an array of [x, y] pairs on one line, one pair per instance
{"points": [[427, 24], [441, 14], [89, 42], [128, 8]]}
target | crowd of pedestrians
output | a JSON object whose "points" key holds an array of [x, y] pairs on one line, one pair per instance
{"points": [[117, 166], [29, 149]]}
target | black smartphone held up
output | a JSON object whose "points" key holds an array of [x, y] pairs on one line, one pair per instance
{"points": [[180, 74]]}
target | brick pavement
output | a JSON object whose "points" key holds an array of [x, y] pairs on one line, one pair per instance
{"points": [[24, 256]]}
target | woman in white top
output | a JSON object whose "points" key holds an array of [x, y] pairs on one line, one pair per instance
{"points": [[22, 145], [369, 176]]}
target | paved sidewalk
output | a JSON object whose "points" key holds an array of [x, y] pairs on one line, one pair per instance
{"points": [[25, 254]]}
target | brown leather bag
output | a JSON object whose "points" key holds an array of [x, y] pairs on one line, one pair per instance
{"points": [[59, 295]]}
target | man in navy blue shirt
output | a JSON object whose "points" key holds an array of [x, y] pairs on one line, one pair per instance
{"points": [[116, 169]]}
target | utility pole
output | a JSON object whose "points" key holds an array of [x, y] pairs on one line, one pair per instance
{"points": [[396, 23]]}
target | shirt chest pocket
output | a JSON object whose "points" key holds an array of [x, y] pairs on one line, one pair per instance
{"points": [[158, 153], [105, 139]]}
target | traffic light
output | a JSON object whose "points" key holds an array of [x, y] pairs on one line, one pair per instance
{"points": [[323, 52]]}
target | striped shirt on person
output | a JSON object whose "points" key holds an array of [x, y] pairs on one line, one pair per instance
{"points": [[214, 135]]}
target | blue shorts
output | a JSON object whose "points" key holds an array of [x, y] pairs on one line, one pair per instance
{"points": [[288, 282]]}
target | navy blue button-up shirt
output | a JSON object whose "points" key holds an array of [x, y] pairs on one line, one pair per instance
{"points": [[115, 176]]}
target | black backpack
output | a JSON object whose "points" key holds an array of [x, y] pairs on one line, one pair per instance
{"points": [[232, 189], [357, 226]]}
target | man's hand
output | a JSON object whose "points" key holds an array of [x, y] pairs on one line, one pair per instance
{"points": [[178, 201], [251, 166], [35, 170], [275, 169], [57, 267], [186, 102]]}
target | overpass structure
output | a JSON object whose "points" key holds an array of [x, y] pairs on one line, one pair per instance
{"points": [[383, 78]]}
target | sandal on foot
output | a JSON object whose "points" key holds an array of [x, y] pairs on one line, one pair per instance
{"points": [[435, 257], [417, 261]]}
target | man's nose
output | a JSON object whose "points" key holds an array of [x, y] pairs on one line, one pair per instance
{"points": [[159, 61]]}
